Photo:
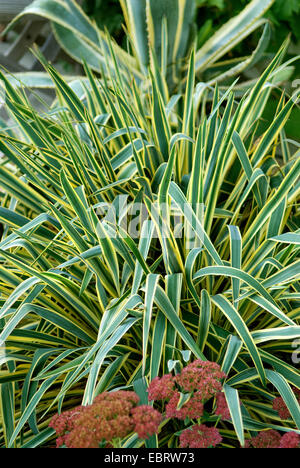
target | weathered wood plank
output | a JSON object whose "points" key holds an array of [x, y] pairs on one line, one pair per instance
{"points": [[10, 65], [9, 9], [24, 40]]}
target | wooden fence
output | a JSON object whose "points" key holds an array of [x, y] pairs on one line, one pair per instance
{"points": [[28, 34]]}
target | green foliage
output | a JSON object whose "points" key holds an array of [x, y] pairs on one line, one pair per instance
{"points": [[286, 10], [284, 15], [210, 3], [87, 306], [107, 14], [161, 35]]}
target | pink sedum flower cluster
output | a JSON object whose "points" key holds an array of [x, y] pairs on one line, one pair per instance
{"points": [[200, 436], [290, 440], [201, 376], [280, 406], [161, 388], [112, 416], [266, 439], [65, 423], [146, 421], [272, 439], [222, 409], [202, 379], [192, 409]]}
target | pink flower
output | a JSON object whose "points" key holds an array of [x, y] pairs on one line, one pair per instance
{"points": [[123, 395], [161, 388], [146, 421], [222, 407], [64, 423], [60, 442], [192, 409], [108, 418], [266, 439], [280, 406], [200, 436], [171, 407], [290, 440], [201, 376], [247, 444]]}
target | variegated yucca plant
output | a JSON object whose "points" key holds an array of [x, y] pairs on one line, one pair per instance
{"points": [[159, 33], [86, 307]]}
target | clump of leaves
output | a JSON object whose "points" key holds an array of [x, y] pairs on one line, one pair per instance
{"points": [[140, 231], [285, 17], [160, 37]]}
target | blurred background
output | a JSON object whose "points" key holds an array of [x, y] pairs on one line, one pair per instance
{"points": [[284, 18]]}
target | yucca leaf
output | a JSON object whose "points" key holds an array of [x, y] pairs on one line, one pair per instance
{"points": [[174, 285], [7, 405], [236, 259], [239, 325], [150, 290], [284, 333], [158, 344], [110, 373], [62, 322], [235, 273], [234, 405], [30, 408], [204, 319], [39, 439], [162, 301], [99, 358], [144, 245], [232, 33], [287, 394], [233, 348], [288, 238], [179, 198]]}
